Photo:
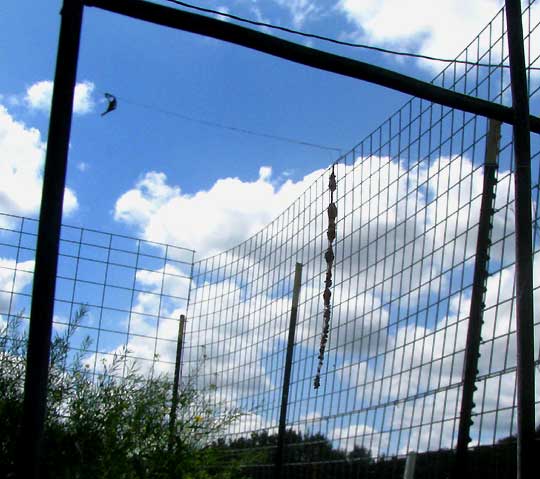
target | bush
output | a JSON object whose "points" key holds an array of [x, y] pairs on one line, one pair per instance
{"points": [[115, 424]]}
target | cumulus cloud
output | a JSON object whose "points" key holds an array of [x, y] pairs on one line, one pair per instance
{"points": [[208, 221], [439, 29], [436, 28], [39, 95], [139, 205], [23, 153]]}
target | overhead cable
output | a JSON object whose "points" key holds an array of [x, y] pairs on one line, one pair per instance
{"points": [[341, 42], [236, 129]]}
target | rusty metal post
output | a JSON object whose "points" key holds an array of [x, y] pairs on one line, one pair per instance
{"points": [[476, 311], [524, 254], [30, 440], [278, 467]]}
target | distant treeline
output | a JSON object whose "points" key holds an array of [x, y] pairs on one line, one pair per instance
{"points": [[312, 456]]}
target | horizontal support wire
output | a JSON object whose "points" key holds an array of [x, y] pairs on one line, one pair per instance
{"points": [[232, 33]]}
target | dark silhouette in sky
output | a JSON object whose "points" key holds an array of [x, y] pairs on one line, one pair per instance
{"points": [[112, 103]]}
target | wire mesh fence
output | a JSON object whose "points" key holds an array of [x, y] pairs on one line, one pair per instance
{"points": [[408, 200], [132, 291], [402, 265]]}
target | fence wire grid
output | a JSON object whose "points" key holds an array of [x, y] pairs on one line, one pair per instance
{"points": [[133, 291], [408, 201]]}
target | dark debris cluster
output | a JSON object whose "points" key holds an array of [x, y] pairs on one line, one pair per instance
{"points": [[329, 258]]}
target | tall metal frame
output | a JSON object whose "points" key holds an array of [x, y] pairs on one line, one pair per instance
{"points": [[50, 217], [524, 257], [56, 165]]}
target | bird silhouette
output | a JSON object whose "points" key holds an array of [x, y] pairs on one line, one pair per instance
{"points": [[112, 103]]}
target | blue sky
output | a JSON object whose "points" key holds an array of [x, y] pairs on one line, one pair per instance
{"points": [[145, 170], [212, 81]]}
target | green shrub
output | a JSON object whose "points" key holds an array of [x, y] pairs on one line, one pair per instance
{"points": [[115, 424]]}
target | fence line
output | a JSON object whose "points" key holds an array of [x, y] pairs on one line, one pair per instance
{"points": [[133, 292], [408, 199]]}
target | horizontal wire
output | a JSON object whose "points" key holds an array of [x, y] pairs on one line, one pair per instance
{"points": [[341, 42], [236, 129]]}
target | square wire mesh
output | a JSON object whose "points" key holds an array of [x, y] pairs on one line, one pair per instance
{"points": [[133, 292], [408, 199]]}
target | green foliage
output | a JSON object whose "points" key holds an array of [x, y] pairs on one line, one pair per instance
{"points": [[300, 447], [115, 424], [305, 455]]}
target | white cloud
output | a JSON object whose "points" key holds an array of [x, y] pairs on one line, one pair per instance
{"points": [[265, 172], [435, 28], [439, 27], [22, 152], [419, 359], [14, 279], [150, 195], [425, 221], [209, 221], [300, 10], [236, 371], [39, 96]]}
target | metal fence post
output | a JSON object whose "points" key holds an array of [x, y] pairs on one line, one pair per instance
{"points": [[477, 305], [278, 468], [523, 232], [410, 465], [176, 381], [54, 179]]}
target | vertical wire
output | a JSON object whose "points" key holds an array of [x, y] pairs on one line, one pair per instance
{"points": [[15, 269]]}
